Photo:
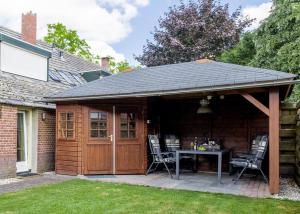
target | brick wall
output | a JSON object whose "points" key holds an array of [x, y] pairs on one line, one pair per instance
{"points": [[46, 141], [8, 141]]}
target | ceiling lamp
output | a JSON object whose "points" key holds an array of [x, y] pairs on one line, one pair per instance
{"points": [[204, 108]]}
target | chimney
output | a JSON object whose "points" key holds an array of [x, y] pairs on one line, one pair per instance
{"points": [[29, 27], [105, 62]]}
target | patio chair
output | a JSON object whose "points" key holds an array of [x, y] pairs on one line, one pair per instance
{"points": [[173, 144], [252, 161], [159, 157], [253, 148]]}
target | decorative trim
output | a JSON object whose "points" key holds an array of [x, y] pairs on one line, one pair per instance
{"points": [[25, 45]]}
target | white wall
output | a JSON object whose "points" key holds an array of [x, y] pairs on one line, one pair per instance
{"points": [[22, 62]]}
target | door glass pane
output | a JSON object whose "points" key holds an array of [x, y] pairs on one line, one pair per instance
{"points": [[132, 125], [124, 126], [131, 134], [128, 125], [98, 124], [103, 116], [124, 134], [103, 133], [103, 125], [20, 138]]}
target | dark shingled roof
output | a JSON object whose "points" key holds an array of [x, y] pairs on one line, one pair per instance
{"points": [[18, 90], [201, 75]]}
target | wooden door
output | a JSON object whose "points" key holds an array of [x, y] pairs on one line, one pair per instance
{"points": [[129, 143], [98, 140]]}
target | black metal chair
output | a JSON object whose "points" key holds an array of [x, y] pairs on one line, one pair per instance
{"points": [[159, 157], [253, 148], [173, 144], [253, 161]]}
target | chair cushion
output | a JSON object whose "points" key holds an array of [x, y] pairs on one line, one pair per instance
{"points": [[243, 163]]}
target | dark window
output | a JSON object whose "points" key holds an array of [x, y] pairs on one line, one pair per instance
{"points": [[98, 124], [66, 125], [128, 125]]}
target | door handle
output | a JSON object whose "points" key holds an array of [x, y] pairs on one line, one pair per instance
{"points": [[111, 137]]}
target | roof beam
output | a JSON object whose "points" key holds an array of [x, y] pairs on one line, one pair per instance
{"points": [[256, 103]]}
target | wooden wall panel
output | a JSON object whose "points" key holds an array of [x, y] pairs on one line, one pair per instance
{"points": [[99, 159], [68, 152]]}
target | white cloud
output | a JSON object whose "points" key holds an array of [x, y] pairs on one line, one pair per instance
{"points": [[100, 22], [259, 12]]}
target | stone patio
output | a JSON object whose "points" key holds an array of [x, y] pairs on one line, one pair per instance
{"points": [[204, 182], [32, 181]]}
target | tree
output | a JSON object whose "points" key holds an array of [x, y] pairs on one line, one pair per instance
{"points": [[242, 53], [193, 30], [116, 67], [276, 42], [68, 40]]}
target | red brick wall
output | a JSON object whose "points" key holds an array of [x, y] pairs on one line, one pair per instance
{"points": [[8, 141], [46, 141], [29, 27]]}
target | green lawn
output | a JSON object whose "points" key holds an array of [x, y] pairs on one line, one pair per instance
{"points": [[80, 196]]}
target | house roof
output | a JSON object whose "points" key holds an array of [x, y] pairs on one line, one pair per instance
{"points": [[19, 90], [64, 72], [196, 76], [68, 62]]}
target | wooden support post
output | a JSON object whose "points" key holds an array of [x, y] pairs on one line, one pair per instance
{"points": [[274, 140]]}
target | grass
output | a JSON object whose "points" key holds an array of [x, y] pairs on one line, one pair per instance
{"points": [[81, 196]]}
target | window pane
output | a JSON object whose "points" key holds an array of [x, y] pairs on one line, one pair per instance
{"points": [[124, 126], [131, 134], [70, 125], [102, 133], [103, 116], [94, 133], [131, 116], [63, 116], [94, 115], [124, 134], [63, 124], [70, 116], [20, 138], [132, 125], [94, 124], [70, 133], [123, 117], [103, 125], [62, 133]]}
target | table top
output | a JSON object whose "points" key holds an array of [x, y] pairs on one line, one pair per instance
{"points": [[208, 152]]}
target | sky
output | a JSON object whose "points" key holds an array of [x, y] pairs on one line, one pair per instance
{"points": [[117, 28]]}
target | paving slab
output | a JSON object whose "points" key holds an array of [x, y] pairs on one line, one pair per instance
{"points": [[204, 182], [32, 181]]}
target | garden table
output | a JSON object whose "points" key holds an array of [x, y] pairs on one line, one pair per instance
{"points": [[218, 153]]}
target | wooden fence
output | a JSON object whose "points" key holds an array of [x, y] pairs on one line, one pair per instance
{"points": [[290, 141]]}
